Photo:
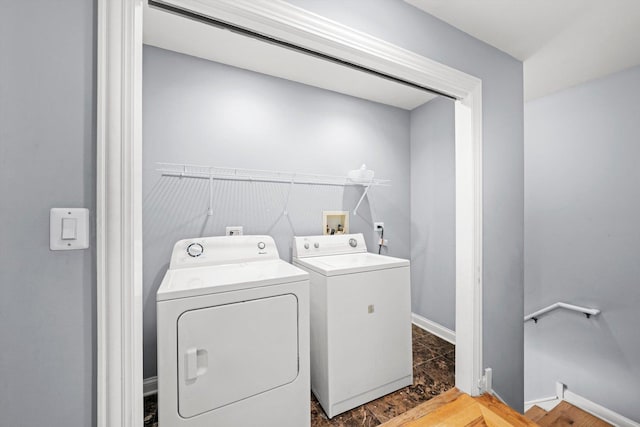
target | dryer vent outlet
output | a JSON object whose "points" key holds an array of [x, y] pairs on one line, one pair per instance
{"points": [[234, 230]]}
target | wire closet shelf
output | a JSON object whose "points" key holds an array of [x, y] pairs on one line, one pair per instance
{"points": [[213, 173], [238, 174]]}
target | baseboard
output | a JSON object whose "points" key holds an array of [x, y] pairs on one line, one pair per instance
{"points": [[497, 396], [434, 328], [149, 386], [563, 393], [598, 410], [546, 403]]}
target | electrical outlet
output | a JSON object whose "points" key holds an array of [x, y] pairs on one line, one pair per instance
{"points": [[234, 230], [378, 226]]}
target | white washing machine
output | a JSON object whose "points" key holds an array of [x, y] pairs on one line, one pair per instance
{"points": [[360, 320], [233, 336]]}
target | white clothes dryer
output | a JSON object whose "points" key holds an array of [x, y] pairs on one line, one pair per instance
{"points": [[233, 336], [360, 320]]}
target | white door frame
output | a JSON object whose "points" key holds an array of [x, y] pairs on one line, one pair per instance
{"points": [[119, 190]]}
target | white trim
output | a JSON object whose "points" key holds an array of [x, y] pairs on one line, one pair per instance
{"points": [[598, 410], [434, 328], [284, 21], [468, 158], [118, 214], [119, 164], [493, 392], [560, 388], [546, 403], [149, 386], [486, 384], [595, 409]]}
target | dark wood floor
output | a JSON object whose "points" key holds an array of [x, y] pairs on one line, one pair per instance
{"points": [[433, 374]]}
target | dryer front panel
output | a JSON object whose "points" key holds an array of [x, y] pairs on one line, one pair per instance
{"points": [[231, 352]]}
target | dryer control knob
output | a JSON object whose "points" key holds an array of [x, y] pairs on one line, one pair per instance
{"points": [[306, 246], [261, 245], [316, 245], [195, 250], [353, 243]]}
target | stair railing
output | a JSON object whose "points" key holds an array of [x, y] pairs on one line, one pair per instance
{"points": [[584, 310]]}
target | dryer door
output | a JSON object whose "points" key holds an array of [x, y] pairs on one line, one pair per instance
{"points": [[231, 352]]}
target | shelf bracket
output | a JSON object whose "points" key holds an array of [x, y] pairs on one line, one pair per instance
{"points": [[285, 210], [210, 210], [364, 194]]}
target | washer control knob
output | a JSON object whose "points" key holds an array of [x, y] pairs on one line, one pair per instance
{"points": [[261, 245], [306, 246], [316, 245], [353, 243], [195, 250]]}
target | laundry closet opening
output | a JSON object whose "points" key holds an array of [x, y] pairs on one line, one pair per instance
{"points": [[212, 98]]}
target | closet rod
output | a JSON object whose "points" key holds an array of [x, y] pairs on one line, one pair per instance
{"points": [[272, 40]]}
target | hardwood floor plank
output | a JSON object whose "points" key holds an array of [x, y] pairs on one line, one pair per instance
{"points": [[535, 413], [462, 411], [505, 412], [456, 409], [493, 419], [565, 414], [424, 408]]}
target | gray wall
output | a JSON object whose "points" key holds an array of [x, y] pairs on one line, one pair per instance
{"points": [[404, 25], [47, 123], [47, 159], [433, 228], [201, 112], [582, 207]]}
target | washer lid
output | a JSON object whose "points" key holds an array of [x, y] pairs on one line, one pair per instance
{"points": [[334, 265], [190, 282]]}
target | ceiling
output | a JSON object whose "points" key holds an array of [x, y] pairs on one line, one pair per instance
{"points": [[173, 32], [562, 43]]}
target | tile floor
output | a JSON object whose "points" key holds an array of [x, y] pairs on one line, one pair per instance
{"points": [[433, 373]]}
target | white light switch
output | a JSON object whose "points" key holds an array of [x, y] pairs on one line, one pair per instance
{"points": [[68, 229]]}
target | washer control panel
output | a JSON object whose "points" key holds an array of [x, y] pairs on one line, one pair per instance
{"points": [[309, 246], [195, 250], [200, 252]]}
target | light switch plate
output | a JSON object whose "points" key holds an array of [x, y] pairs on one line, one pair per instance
{"points": [[81, 232]]}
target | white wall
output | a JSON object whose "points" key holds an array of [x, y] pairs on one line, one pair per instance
{"points": [[582, 245], [201, 112], [433, 228]]}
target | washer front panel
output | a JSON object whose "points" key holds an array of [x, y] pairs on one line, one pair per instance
{"points": [[360, 336]]}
